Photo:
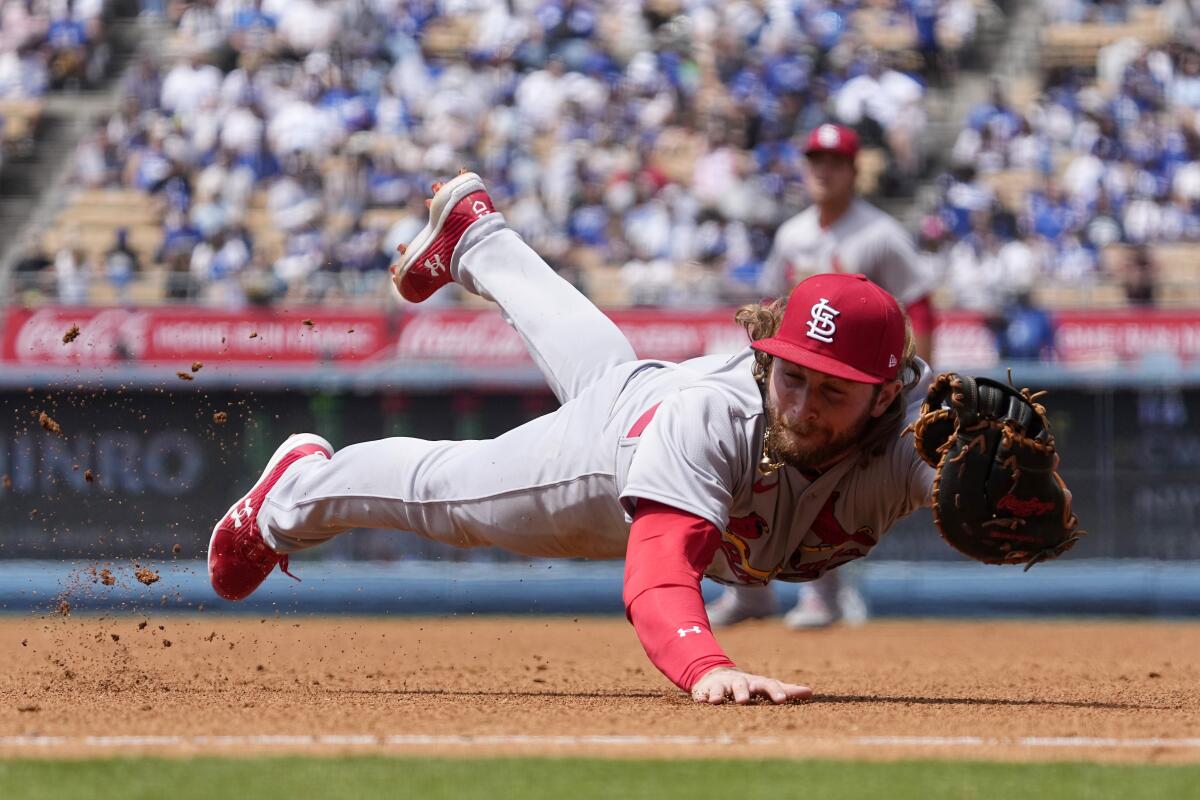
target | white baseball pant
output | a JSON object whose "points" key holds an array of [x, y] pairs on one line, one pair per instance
{"points": [[546, 488]]}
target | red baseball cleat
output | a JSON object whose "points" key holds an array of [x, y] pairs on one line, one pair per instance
{"points": [[424, 265], [238, 558]]}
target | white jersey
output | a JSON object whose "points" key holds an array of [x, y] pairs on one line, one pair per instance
{"points": [[699, 452], [863, 240]]}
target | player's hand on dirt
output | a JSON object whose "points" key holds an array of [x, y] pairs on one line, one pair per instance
{"points": [[726, 683]]}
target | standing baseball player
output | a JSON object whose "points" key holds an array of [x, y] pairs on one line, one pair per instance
{"points": [[839, 233], [781, 461]]}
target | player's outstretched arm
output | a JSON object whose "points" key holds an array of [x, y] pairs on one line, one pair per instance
{"points": [[668, 552], [726, 683]]}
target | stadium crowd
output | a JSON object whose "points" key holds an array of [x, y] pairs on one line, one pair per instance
{"points": [[47, 44], [656, 137], [1110, 154], [647, 146]]}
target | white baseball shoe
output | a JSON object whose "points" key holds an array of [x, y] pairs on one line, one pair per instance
{"points": [[741, 603], [825, 602], [425, 264], [815, 609]]}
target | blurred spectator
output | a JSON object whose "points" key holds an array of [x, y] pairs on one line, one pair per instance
{"points": [[252, 30], [121, 265], [68, 41], [142, 86], [72, 274], [201, 27], [180, 238], [841, 232], [986, 269], [189, 84], [95, 162], [1024, 332], [35, 259], [20, 26], [885, 105], [23, 73], [50, 44], [1139, 277]]}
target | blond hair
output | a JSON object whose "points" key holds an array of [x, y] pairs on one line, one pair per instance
{"points": [[762, 321]]}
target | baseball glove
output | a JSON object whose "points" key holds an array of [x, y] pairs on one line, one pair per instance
{"points": [[997, 496]]}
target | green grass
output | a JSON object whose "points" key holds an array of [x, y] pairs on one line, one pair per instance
{"points": [[501, 778]]}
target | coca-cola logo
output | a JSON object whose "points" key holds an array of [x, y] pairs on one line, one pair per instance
{"points": [[483, 337], [486, 337], [114, 335], [1024, 507], [107, 335]]}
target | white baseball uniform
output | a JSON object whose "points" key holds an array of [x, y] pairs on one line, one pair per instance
{"points": [[864, 240], [565, 484]]}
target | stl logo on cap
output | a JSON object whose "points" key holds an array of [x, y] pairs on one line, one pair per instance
{"points": [[828, 136], [821, 327], [841, 325]]}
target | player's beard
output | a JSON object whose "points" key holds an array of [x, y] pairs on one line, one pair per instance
{"points": [[783, 443]]}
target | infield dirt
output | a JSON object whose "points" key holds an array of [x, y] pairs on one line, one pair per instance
{"points": [[212, 675]]}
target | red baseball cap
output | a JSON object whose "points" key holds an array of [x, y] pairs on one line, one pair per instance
{"points": [[842, 325], [832, 138]]}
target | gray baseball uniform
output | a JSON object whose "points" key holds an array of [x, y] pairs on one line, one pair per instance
{"points": [[864, 239], [565, 484]]}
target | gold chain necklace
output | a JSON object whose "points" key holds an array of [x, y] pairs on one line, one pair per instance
{"points": [[766, 465]]}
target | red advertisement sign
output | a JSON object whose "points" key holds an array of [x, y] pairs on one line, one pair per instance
{"points": [[1104, 338], [146, 335], [467, 336], [1091, 338], [484, 337]]}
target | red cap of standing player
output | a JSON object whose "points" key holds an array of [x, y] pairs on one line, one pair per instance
{"points": [[831, 138], [842, 325]]}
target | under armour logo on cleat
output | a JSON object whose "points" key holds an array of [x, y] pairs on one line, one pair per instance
{"points": [[685, 631], [237, 512], [435, 264]]}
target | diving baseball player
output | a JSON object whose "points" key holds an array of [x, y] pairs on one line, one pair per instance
{"points": [[781, 461], [839, 232]]}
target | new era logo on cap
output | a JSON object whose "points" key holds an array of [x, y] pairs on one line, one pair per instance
{"points": [[842, 325]]}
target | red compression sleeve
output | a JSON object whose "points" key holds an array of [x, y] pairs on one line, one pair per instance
{"points": [[920, 313], [668, 552]]}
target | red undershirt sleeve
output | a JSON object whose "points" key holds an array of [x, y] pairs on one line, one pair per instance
{"points": [[920, 313], [668, 552]]}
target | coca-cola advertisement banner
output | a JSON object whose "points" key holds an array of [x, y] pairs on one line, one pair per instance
{"points": [[102, 336], [80, 337], [485, 338]]}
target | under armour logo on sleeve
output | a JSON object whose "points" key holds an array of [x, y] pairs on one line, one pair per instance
{"points": [[685, 631]]}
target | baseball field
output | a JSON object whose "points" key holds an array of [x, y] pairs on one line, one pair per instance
{"points": [[205, 705]]}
